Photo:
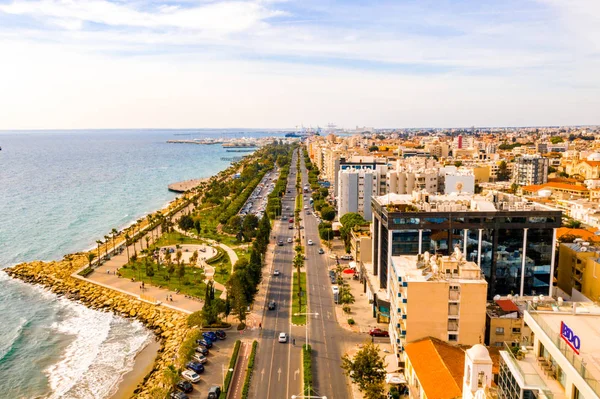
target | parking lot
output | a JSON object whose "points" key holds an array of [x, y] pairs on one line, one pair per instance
{"points": [[216, 366], [257, 202]]}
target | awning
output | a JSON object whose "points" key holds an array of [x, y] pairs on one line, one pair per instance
{"points": [[395, 379], [348, 271]]}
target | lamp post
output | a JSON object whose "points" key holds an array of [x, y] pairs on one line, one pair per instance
{"points": [[306, 324], [306, 396]]}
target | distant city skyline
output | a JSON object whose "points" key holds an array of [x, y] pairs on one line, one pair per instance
{"points": [[279, 64]]}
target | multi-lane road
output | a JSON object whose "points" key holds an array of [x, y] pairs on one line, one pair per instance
{"points": [[278, 366]]}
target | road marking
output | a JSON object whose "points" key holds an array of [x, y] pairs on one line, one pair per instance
{"points": [[262, 375], [296, 373], [279, 375]]}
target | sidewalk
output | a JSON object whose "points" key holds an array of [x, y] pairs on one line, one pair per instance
{"points": [[239, 374]]}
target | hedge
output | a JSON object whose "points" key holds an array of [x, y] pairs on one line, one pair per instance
{"points": [[249, 371], [220, 253], [86, 272], [229, 375], [307, 369]]}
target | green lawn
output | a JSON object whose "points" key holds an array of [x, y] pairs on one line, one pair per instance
{"points": [[189, 285], [174, 238], [299, 320]]}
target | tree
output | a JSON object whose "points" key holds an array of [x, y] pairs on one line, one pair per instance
{"points": [[373, 148], [568, 238], [573, 224], [458, 164], [90, 257], [114, 234], [197, 226], [171, 376], [514, 188], [556, 139], [328, 213], [186, 222], [181, 271], [106, 241], [150, 270], [99, 243], [349, 221], [367, 369], [178, 256], [503, 174]]}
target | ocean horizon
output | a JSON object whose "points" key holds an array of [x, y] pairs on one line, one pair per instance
{"points": [[60, 191]]}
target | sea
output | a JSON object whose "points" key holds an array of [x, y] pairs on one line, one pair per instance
{"points": [[60, 191]]}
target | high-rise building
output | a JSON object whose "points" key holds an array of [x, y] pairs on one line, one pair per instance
{"points": [[354, 163], [530, 169], [357, 187], [511, 240]]}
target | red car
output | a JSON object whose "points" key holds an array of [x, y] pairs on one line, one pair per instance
{"points": [[377, 332]]}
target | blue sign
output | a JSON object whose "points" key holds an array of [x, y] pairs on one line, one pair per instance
{"points": [[570, 338]]}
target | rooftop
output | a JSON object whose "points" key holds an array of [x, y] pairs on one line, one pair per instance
{"points": [[417, 268]]}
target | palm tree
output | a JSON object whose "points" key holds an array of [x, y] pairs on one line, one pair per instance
{"points": [[147, 242], [114, 233], [150, 219], [91, 257], [127, 242], [178, 255], [106, 241], [99, 243]]}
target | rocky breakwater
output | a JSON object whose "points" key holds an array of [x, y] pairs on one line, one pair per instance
{"points": [[168, 325]]}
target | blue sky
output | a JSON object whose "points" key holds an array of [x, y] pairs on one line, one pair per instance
{"points": [[270, 63]]}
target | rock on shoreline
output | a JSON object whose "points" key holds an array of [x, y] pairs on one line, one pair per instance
{"points": [[167, 324]]}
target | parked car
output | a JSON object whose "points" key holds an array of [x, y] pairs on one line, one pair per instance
{"points": [[202, 350], [332, 273], [272, 305], [310, 242], [321, 251], [185, 386], [191, 376], [210, 335], [199, 358], [289, 240], [205, 343], [276, 272], [280, 243], [346, 257], [195, 366], [377, 332], [221, 334], [214, 392], [179, 395], [283, 337]]}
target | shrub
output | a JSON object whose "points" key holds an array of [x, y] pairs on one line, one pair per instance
{"points": [[188, 346], [346, 309], [241, 326], [86, 272], [195, 319], [232, 362], [351, 322], [307, 368], [220, 253], [246, 387]]}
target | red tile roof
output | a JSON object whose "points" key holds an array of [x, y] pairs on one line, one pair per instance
{"points": [[507, 305]]}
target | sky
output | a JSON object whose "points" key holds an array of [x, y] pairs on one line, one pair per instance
{"points": [[69, 64]]}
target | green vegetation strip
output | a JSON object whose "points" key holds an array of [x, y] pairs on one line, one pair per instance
{"points": [[307, 370], [229, 375], [246, 387], [217, 257], [86, 272], [299, 320], [176, 238], [188, 347]]}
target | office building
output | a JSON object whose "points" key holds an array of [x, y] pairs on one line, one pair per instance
{"points": [[511, 240], [560, 361], [530, 170]]}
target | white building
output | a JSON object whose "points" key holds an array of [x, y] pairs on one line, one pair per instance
{"points": [[560, 358], [530, 170], [357, 187]]}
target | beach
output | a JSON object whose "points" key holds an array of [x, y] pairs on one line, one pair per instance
{"points": [[144, 362]]}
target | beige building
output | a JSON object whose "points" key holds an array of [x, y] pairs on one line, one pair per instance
{"points": [[360, 245], [441, 297], [503, 323], [579, 269]]}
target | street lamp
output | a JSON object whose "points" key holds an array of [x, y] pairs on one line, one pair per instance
{"points": [[304, 396], [306, 324], [223, 372]]}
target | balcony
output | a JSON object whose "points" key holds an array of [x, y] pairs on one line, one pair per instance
{"points": [[537, 374]]}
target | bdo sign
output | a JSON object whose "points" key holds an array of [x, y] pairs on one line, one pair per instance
{"points": [[570, 338]]}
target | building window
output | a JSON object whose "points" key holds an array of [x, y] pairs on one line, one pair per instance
{"points": [[453, 337], [499, 344], [516, 331], [499, 330]]}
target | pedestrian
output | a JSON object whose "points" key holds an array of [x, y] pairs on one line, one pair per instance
{"points": [[260, 326], [294, 341]]}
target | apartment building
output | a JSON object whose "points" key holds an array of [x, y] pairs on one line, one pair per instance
{"points": [[510, 239], [357, 187], [504, 321], [353, 163], [530, 169], [443, 297], [579, 269], [561, 360]]}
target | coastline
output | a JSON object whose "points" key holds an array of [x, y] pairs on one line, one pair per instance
{"points": [[142, 366]]}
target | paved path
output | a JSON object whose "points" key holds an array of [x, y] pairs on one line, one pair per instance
{"points": [[239, 373]]}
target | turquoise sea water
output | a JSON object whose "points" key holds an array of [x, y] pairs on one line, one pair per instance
{"points": [[60, 191]]}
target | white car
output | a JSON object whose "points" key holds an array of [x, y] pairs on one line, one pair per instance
{"points": [[310, 242], [199, 358], [305, 206], [283, 337], [190, 376], [276, 272], [289, 240]]}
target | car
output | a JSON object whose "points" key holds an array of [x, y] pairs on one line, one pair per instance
{"points": [[332, 273], [346, 257], [199, 358], [283, 337], [308, 212], [204, 342], [214, 392], [210, 335], [221, 334], [276, 272], [185, 386], [321, 251], [178, 395], [202, 350], [305, 206], [272, 305], [377, 332], [332, 278], [291, 220], [280, 243], [291, 226], [195, 367], [310, 242], [191, 376], [289, 191], [289, 240]]}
